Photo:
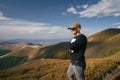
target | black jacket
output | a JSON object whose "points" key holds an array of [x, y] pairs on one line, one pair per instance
{"points": [[77, 47]]}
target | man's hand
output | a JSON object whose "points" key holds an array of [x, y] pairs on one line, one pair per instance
{"points": [[71, 50]]}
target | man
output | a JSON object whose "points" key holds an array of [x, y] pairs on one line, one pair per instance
{"points": [[77, 49]]}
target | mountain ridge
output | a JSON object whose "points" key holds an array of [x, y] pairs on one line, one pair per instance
{"points": [[31, 61], [106, 46], [103, 42]]}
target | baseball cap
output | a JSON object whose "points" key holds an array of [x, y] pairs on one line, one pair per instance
{"points": [[74, 25]]}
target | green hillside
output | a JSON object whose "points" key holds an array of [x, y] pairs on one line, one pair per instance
{"points": [[18, 54], [11, 61], [4, 51]]}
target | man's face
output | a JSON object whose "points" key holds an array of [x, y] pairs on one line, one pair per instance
{"points": [[74, 31]]}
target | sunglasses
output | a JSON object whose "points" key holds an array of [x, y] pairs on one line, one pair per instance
{"points": [[72, 28]]}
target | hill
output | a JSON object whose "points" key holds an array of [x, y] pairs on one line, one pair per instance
{"points": [[15, 54], [21, 49], [55, 69], [57, 51], [101, 44], [105, 34], [36, 62], [104, 43]]}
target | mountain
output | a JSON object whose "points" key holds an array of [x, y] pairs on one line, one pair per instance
{"points": [[15, 54], [57, 51], [101, 44], [98, 37], [104, 43], [37, 41], [33, 61]]}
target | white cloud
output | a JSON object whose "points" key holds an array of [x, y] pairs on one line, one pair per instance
{"points": [[26, 29], [2, 16], [85, 6], [102, 8], [22, 29], [63, 13], [15, 28], [72, 10], [78, 7]]}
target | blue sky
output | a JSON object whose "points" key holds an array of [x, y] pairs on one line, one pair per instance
{"points": [[49, 19]]}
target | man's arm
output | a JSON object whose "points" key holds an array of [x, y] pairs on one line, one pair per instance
{"points": [[78, 42]]}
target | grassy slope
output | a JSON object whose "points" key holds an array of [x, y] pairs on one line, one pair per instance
{"points": [[8, 62], [55, 69], [115, 57], [4, 51], [104, 43], [102, 35], [20, 53], [58, 51]]}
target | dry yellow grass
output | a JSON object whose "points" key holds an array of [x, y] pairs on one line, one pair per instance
{"points": [[55, 69]]}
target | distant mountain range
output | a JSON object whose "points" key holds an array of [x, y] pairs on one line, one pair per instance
{"points": [[35, 41], [101, 44]]}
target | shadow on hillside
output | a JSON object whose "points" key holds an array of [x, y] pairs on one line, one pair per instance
{"points": [[11, 61], [4, 51]]}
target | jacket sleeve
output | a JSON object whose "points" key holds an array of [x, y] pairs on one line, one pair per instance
{"points": [[77, 43]]}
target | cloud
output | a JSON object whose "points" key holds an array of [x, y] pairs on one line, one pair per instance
{"points": [[78, 7], [85, 6], [2, 16], [101, 9], [16, 29], [26, 29], [22, 29], [63, 13], [72, 10]]}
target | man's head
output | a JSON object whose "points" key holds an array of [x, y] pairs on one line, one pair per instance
{"points": [[75, 28]]}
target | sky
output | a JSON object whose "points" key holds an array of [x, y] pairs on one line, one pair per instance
{"points": [[49, 19]]}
